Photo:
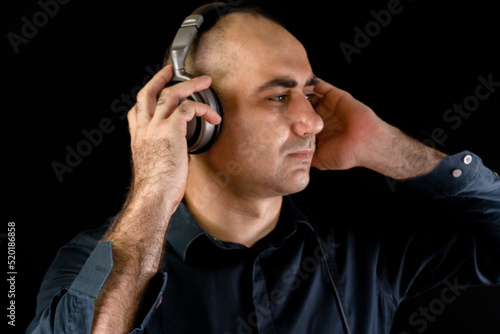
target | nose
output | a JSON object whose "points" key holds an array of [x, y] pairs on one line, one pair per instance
{"points": [[305, 120]]}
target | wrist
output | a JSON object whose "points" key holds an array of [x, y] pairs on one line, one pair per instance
{"points": [[139, 229]]}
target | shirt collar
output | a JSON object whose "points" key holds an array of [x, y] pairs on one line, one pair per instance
{"points": [[184, 229]]}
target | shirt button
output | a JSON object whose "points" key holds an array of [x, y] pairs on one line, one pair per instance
{"points": [[467, 159], [456, 173]]}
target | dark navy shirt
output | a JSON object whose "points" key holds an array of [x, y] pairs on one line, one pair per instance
{"points": [[308, 275]]}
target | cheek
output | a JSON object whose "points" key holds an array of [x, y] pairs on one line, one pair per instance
{"points": [[252, 134], [258, 141]]}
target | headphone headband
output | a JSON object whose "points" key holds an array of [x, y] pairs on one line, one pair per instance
{"points": [[200, 133], [207, 15]]}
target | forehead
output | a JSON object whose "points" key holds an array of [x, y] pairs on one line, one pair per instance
{"points": [[264, 50]]}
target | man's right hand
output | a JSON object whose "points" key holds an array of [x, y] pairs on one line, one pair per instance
{"points": [[158, 126]]}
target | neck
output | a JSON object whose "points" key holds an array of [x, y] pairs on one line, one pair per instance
{"points": [[230, 216]]}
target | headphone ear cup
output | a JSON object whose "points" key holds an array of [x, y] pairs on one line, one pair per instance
{"points": [[201, 134]]}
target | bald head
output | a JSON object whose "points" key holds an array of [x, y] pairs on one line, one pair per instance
{"points": [[215, 51]]}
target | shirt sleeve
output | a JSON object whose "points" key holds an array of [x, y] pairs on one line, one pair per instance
{"points": [[462, 244], [65, 303], [460, 175]]}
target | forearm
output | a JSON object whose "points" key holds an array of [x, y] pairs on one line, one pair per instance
{"points": [[138, 236], [396, 155]]}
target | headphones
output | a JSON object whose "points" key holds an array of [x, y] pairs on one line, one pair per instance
{"points": [[200, 134]]}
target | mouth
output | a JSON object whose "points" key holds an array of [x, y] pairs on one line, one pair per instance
{"points": [[304, 154]]}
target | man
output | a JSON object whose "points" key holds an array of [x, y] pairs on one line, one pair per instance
{"points": [[212, 242]]}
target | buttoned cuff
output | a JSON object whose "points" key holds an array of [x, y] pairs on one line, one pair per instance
{"points": [[96, 270], [451, 177]]}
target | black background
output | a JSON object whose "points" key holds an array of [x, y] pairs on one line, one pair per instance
{"points": [[65, 78]]}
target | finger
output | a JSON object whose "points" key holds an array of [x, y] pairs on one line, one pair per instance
{"points": [[188, 109], [147, 96], [324, 87], [208, 114], [185, 112], [170, 96], [331, 96]]}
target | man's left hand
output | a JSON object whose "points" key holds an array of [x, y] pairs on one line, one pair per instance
{"points": [[354, 136]]}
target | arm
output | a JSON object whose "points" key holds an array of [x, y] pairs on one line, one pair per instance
{"points": [[160, 164], [100, 285], [466, 239], [353, 135]]}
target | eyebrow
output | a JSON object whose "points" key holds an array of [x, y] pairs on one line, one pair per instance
{"points": [[285, 83]]}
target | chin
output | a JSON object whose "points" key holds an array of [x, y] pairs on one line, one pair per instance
{"points": [[296, 184]]}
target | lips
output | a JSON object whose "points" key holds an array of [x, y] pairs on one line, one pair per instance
{"points": [[305, 154], [303, 149]]}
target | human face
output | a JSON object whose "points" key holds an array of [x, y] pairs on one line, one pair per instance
{"points": [[268, 135]]}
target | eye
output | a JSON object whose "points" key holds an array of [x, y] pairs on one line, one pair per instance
{"points": [[280, 98], [313, 99]]}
